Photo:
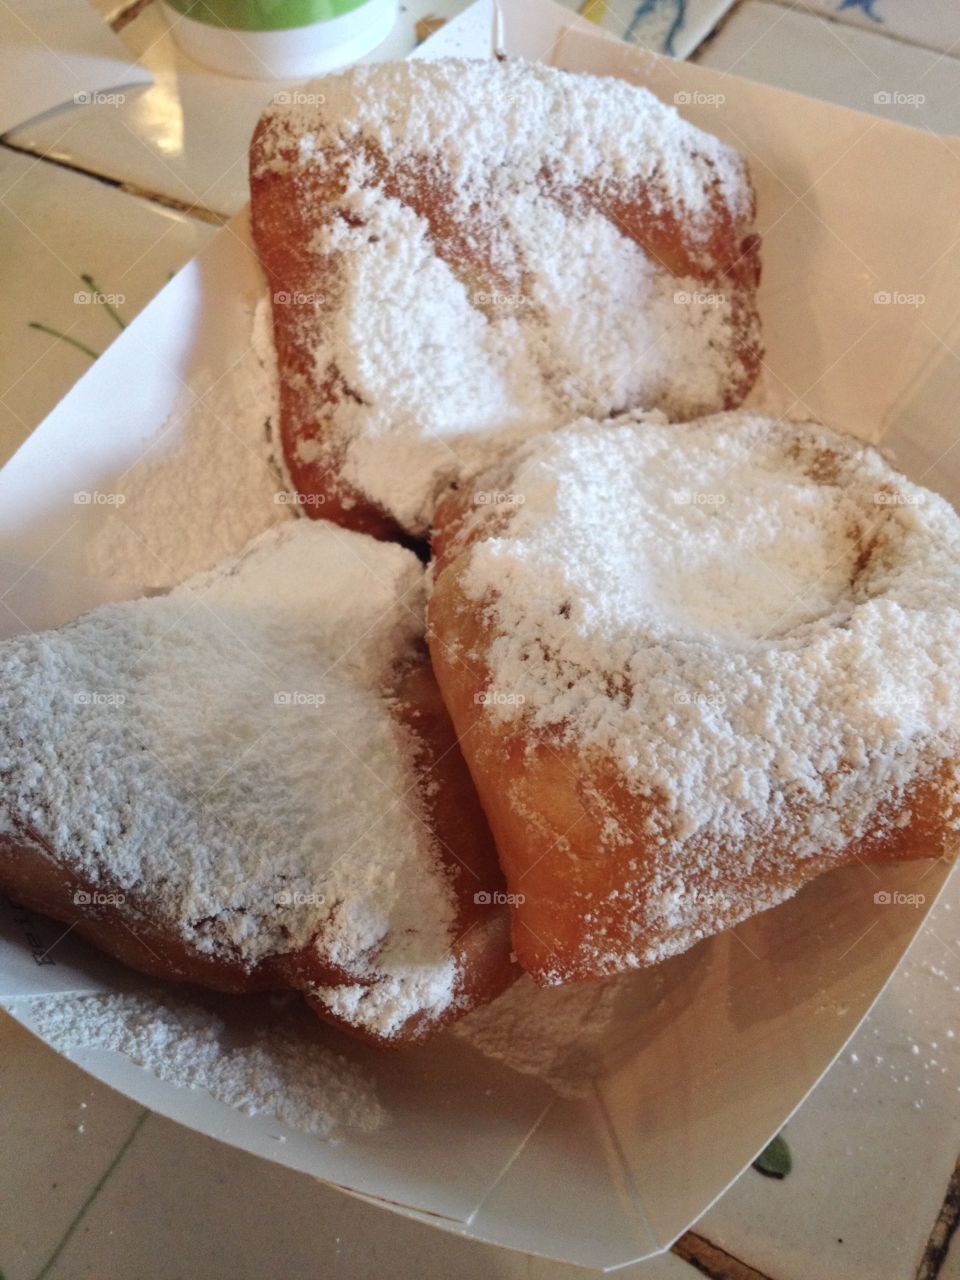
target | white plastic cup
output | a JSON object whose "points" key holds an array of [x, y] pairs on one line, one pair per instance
{"points": [[279, 39]]}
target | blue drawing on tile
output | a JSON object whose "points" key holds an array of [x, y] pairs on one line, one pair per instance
{"points": [[649, 7], [865, 6]]}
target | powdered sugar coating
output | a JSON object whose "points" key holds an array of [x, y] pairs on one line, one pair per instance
{"points": [[276, 1072], [752, 622], [711, 621], [477, 280], [527, 117], [207, 483], [227, 756]]}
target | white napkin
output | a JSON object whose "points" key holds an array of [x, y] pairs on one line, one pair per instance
{"points": [[57, 52]]}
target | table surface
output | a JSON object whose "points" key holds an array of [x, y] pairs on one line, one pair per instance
{"points": [[92, 1186]]}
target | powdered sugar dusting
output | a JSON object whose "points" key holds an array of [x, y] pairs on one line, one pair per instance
{"points": [[227, 755], [530, 117], [753, 621], [207, 484], [622, 331], [432, 375], [437, 380], [404, 987], [275, 1072], [519, 305]]}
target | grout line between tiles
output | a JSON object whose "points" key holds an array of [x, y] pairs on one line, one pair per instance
{"points": [[710, 1260], [97, 1188], [877, 28], [715, 30], [935, 1253], [198, 211]]}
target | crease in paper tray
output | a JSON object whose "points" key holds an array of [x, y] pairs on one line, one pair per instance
{"points": [[849, 206]]}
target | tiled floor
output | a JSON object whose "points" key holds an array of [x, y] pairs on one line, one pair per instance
{"points": [[933, 25], [856, 1202], [44, 1101], [865, 70], [91, 1187], [47, 252], [668, 26]]}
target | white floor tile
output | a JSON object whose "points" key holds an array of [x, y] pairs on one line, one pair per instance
{"points": [[57, 226], [61, 1129], [859, 69], [875, 1145], [933, 23], [666, 26]]}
